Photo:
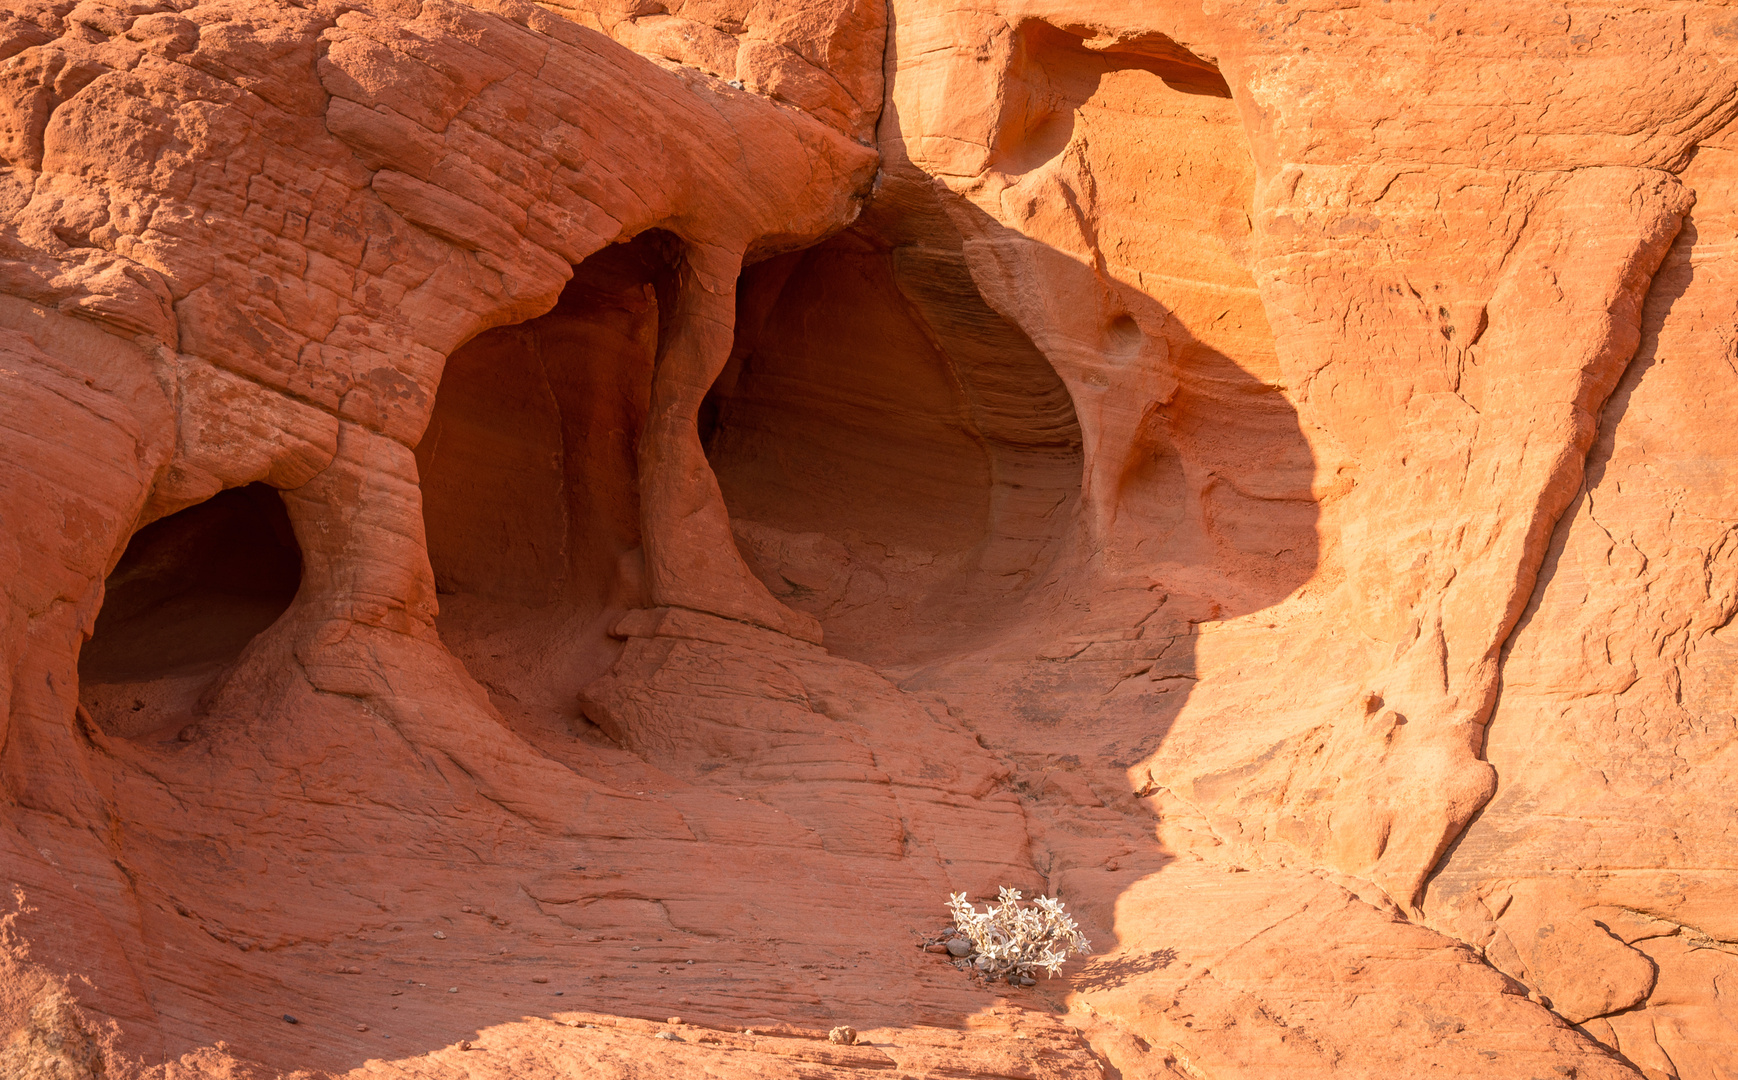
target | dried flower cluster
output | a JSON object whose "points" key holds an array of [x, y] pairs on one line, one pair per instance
{"points": [[1011, 939]]}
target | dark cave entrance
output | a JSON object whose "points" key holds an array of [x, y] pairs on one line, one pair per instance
{"points": [[898, 460], [529, 482], [187, 596]]}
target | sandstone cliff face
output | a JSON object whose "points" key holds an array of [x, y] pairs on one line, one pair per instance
{"points": [[521, 522]]}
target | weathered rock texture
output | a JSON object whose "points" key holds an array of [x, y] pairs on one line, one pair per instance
{"points": [[525, 529]]}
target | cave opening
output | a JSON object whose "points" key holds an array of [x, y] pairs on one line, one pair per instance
{"points": [[529, 482], [898, 460], [187, 596]]}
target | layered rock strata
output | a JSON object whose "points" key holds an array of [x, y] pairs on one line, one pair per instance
{"points": [[548, 539]]}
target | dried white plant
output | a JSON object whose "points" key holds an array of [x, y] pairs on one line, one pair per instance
{"points": [[1011, 939]]}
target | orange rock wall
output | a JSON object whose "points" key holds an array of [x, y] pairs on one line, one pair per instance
{"points": [[1255, 470]]}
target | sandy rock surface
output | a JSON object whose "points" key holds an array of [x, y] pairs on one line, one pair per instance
{"points": [[546, 540]]}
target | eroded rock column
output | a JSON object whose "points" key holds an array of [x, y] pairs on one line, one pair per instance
{"points": [[691, 557]]}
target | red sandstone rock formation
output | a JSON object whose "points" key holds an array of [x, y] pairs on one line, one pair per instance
{"points": [[546, 540]]}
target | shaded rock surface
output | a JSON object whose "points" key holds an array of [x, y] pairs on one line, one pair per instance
{"points": [[548, 539]]}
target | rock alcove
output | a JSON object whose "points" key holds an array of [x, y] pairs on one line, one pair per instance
{"points": [[896, 458], [187, 596], [899, 461], [528, 475]]}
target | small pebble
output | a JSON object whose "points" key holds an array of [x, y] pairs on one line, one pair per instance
{"points": [[674, 1020], [288, 1019], [464, 1044], [1027, 980], [361, 1027], [938, 948], [844, 1036], [958, 946], [668, 1036], [636, 948], [440, 935], [452, 989], [539, 978], [349, 971], [748, 1031]]}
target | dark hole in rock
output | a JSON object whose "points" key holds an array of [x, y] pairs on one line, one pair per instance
{"points": [[187, 596], [898, 460], [529, 482]]}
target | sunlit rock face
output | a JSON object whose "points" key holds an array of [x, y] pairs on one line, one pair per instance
{"points": [[547, 540]]}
